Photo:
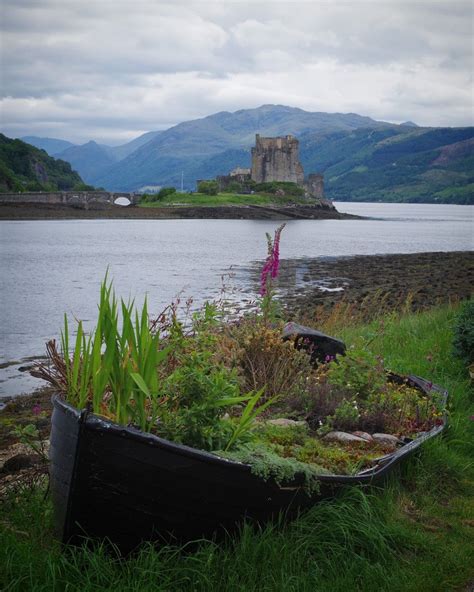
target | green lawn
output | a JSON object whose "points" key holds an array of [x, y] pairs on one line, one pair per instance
{"points": [[415, 535], [222, 199]]}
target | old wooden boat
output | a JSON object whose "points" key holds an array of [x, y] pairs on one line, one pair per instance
{"points": [[127, 486]]}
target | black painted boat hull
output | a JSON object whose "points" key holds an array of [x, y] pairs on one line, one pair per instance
{"points": [[113, 482]]}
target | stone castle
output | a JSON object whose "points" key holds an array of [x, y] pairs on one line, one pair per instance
{"points": [[277, 159]]}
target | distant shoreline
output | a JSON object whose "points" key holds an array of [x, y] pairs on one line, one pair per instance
{"points": [[61, 212]]}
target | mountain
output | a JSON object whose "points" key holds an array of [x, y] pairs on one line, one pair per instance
{"points": [[397, 163], [52, 146], [191, 147], [124, 150], [362, 159], [90, 159], [24, 167]]}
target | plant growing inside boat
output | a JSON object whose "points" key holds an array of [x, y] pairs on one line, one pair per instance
{"points": [[355, 393], [360, 371], [268, 464], [265, 360], [170, 385], [114, 369]]}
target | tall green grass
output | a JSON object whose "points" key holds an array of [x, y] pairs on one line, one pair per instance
{"points": [[414, 535], [120, 358]]}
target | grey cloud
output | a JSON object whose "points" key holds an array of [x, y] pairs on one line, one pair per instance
{"points": [[107, 69]]}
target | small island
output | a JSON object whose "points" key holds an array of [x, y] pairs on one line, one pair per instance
{"points": [[274, 188]]}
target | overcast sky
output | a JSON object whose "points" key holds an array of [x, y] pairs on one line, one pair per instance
{"points": [[110, 70]]}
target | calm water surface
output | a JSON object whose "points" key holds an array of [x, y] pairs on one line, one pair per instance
{"points": [[54, 266]]}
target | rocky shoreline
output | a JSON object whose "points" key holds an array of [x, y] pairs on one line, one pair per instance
{"points": [[416, 280], [62, 212]]}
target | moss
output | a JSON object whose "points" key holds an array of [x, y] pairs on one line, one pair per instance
{"points": [[284, 435], [296, 444], [341, 460], [267, 464]]}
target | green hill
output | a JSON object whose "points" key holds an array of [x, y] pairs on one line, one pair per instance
{"points": [[26, 168], [400, 164]]}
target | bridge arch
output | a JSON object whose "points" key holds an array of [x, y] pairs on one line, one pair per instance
{"points": [[122, 201]]}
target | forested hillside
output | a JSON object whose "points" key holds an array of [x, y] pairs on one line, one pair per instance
{"points": [[26, 168], [401, 164]]}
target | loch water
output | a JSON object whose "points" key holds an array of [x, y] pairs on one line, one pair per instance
{"points": [[52, 267]]}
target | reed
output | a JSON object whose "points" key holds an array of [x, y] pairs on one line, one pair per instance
{"points": [[115, 368]]}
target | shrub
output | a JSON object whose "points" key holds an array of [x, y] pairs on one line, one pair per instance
{"points": [[290, 189], [197, 395], [360, 371], [34, 186], [162, 193], [347, 415], [266, 361], [316, 401], [234, 187], [463, 341], [208, 187], [165, 191]]}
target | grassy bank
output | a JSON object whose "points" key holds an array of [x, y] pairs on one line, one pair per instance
{"points": [[223, 199], [414, 535]]}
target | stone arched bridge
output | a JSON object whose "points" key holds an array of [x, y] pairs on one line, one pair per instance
{"points": [[79, 199]]}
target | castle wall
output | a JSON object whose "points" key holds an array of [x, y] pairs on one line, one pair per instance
{"points": [[224, 181]]}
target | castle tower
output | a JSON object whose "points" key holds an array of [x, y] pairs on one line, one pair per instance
{"points": [[276, 159], [314, 186]]}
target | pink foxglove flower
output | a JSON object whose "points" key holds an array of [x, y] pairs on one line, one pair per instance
{"points": [[272, 262]]}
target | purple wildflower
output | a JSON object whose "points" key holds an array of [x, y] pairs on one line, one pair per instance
{"points": [[272, 262], [264, 277], [36, 409], [276, 251]]}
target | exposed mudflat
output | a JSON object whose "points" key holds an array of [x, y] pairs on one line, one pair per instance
{"points": [[419, 280], [62, 212]]}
